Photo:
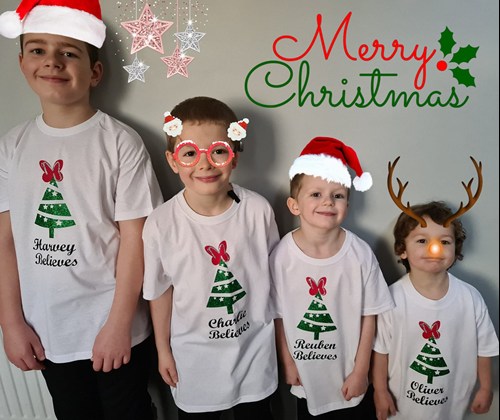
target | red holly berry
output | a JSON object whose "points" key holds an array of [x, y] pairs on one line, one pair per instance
{"points": [[442, 65]]}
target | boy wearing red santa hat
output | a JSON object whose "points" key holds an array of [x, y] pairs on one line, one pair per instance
{"points": [[75, 188], [328, 288]]}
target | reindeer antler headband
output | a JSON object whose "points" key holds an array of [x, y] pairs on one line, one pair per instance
{"points": [[236, 131], [473, 197]]}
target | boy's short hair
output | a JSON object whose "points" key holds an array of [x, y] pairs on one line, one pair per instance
{"points": [[438, 211], [91, 49], [296, 185], [202, 109]]}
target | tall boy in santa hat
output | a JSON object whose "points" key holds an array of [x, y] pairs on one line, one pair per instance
{"points": [[328, 288], [75, 188]]}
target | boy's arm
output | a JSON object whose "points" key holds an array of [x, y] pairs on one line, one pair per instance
{"points": [[161, 314], [484, 396], [22, 346], [384, 402], [289, 367], [357, 381], [112, 345]]}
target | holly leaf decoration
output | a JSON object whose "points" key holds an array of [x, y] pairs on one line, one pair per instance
{"points": [[463, 77], [464, 54], [446, 42]]}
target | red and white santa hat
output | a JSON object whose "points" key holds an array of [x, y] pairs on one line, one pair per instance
{"points": [[78, 19], [329, 158]]}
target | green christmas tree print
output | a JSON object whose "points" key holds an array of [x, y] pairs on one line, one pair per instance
{"points": [[53, 213], [317, 319], [429, 361], [226, 290]]}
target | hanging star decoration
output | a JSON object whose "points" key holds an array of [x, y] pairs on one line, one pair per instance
{"points": [[177, 63], [190, 39], [136, 70], [147, 31]]}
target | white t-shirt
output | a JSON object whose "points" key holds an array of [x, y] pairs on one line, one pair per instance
{"points": [[433, 347], [222, 333], [65, 190], [321, 302]]}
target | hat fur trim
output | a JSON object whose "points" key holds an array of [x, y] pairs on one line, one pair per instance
{"points": [[323, 166], [65, 21]]}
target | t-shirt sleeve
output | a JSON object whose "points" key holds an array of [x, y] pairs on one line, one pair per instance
{"points": [[156, 281], [276, 284], [383, 336], [377, 298], [137, 189], [5, 159], [487, 345]]}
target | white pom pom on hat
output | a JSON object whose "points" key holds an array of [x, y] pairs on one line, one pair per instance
{"points": [[77, 19], [329, 158]]}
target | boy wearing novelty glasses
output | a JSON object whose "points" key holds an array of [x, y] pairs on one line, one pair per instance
{"points": [[207, 275]]}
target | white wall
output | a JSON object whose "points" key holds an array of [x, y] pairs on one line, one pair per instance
{"points": [[434, 142]]}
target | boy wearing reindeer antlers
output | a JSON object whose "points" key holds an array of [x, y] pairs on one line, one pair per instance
{"points": [[207, 272], [328, 287], [75, 188], [438, 341]]}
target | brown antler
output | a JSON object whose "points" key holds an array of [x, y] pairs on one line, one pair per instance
{"points": [[472, 198], [397, 198]]}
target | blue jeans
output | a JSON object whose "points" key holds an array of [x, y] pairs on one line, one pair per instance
{"points": [[80, 393]]}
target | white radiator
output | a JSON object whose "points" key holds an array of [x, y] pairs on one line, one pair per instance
{"points": [[23, 395]]}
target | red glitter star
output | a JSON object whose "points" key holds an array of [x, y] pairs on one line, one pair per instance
{"points": [[177, 63], [147, 31]]}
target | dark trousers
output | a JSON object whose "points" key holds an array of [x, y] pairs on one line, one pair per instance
{"points": [[365, 410], [258, 410], [80, 393]]}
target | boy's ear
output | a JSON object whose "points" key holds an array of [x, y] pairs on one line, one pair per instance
{"points": [[292, 206], [171, 161], [97, 73], [234, 162]]}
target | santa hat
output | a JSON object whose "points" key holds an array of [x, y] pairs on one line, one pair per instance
{"points": [[329, 158], [78, 19]]}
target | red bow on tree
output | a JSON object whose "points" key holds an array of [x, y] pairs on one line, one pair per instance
{"points": [[316, 288], [430, 332], [49, 172], [219, 255]]}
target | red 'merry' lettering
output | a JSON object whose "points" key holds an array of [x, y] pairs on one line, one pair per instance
{"points": [[365, 52]]}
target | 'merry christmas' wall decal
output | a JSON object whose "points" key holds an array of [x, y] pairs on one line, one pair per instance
{"points": [[293, 85]]}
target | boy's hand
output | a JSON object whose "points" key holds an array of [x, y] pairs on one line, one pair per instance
{"points": [[23, 347], [384, 404], [167, 368], [112, 348], [354, 386], [482, 401], [291, 373]]}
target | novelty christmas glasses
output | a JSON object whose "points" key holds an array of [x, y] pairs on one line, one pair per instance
{"points": [[219, 153]]}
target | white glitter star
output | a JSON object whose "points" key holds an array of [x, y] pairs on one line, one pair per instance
{"points": [[147, 31], [136, 70], [190, 39]]}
